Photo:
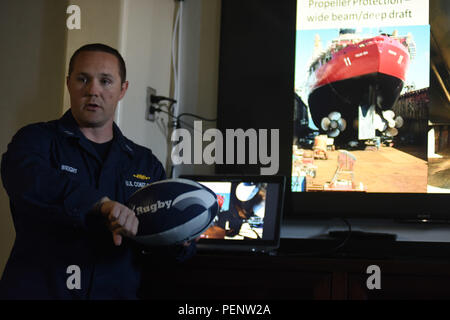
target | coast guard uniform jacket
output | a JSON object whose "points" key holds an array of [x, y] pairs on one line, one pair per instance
{"points": [[53, 177]]}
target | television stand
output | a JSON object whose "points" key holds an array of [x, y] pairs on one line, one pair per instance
{"points": [[406, 273], [362, 235]]}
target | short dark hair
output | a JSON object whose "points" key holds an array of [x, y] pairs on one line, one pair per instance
{"points": [[102, 48]]}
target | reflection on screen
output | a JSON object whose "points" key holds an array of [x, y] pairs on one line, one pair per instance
{"points": [[241, 210]]}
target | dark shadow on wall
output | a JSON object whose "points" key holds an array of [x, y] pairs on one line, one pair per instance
{"points": [[32, 60]]}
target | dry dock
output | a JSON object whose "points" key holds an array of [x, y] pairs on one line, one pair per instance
{"points": [[385, 170]]}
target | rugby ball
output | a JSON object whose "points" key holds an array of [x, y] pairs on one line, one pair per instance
{"points": [[172, 211]]}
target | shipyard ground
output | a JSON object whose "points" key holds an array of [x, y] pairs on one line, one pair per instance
{"points": [[439, 171], [388, 169]]}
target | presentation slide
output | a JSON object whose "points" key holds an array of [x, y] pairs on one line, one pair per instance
{"points": [[362, 93]]}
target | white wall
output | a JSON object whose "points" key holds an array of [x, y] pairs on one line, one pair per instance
{"points": [[199, 67], [33, 34], [146, 45]]}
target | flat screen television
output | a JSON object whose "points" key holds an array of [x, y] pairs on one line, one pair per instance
{"points": [[362, 125]]}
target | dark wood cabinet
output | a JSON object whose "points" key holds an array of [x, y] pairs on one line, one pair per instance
{"points": [[282, 277]]}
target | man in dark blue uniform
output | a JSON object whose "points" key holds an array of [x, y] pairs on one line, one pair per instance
{"points": [[67, 181]]}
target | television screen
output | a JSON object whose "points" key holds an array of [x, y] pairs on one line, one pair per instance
{"points": [[362, 93], [364, 85]]}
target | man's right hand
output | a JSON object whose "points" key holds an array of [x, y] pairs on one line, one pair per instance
{"points": [[121, 220]]}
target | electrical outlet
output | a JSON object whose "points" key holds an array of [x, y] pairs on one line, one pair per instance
{"points": [[150, 115]]}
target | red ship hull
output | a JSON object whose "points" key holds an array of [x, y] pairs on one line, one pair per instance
{"points": [[369, 72], [380, 54]]}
